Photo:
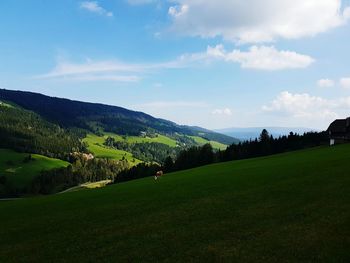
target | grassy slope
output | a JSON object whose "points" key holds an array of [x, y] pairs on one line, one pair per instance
{"points": [[20, 174], [136, 139], [214, 144], [288, 207], [96, 147], [3, 104]]}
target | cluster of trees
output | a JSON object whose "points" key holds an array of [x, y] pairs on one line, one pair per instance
{"points": [[6, 188], [80, 171], [139, 171], [266, 145], [192, 157], [25, 131], [262, 146], [147, 152]]}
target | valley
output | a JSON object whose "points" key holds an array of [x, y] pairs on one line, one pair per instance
{"points": [[106, 132]]}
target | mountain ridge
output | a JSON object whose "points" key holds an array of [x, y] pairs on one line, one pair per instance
{"points": [[88, 115]]}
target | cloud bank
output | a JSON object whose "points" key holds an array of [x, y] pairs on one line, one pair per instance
{"points": [[262, 58], [308, 109], [256, 21]]}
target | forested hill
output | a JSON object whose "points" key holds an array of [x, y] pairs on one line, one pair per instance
{"points": [[94, 116], [26, 131]]}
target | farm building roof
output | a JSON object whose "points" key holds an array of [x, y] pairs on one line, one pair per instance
{"points": [[340, 126]]}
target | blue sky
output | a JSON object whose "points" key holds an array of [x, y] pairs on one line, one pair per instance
{"points": [[215, 64]]}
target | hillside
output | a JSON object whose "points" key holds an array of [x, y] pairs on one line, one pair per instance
{"points": [[29, 132], [95, 145], [25, 131], [290, 207], [19, 169], [94, 117], [214, 144]]}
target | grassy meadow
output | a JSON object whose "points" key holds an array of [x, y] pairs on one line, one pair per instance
{"points": [[3, 104], [95, 145], [20, 173], [214, 144], [292, 207], [138, 139], [159, 139]]}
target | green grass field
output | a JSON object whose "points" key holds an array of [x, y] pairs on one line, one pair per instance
{"points": [[214, 144], [20, 173], [293, 207], [3, 104], [95, 145], [137, 139], [87, 185]]}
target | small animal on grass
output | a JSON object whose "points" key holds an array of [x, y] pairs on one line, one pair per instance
{"points": [[158, 174]]}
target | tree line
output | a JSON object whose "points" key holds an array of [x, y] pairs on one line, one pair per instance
{"points": [[265, 145]]}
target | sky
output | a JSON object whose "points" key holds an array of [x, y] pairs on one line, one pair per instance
{"points": [[214, 64]]}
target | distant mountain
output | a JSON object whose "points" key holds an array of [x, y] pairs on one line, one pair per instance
{"points": [[254, 132], [95, 116]]}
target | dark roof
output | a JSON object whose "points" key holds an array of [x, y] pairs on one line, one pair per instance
{"points": [[340, 126]]}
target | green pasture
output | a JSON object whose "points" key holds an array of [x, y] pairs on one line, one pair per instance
{"points": [[95, 145], [214, 144], [19, 172], [292, 207], [138, 139]]}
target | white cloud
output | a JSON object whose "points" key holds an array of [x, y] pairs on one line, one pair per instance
{"points": [[105, 70], [177, 11], [268, 58], [94, 7], [67, 69], [325, 83], [93, 71], [261, 58], [308, 109], [253, 21], [345, 83], [298, 104], [225, 111]]}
